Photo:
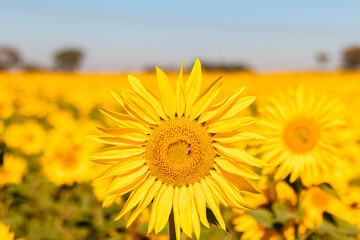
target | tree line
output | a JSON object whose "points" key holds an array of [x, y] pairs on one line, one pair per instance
{"points": [[70, 59], [65, 60]]}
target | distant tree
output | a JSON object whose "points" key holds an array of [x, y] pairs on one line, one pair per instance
{"points": [[9, 57], [32, 67], [351, 58], [322, 58], [68, 59], [235, 66]]}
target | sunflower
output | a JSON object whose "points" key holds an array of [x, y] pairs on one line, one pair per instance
{"points": [[29, 137], [177, 152], [252, 230], [12, 169], [272, 193], [315, 202], [66, 155], [301, 131]]}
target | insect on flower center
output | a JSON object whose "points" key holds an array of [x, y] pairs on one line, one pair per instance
{"points": [[301, 135], [180, 152]]}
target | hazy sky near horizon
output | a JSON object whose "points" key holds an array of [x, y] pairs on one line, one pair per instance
{"points": [[130, 35]]}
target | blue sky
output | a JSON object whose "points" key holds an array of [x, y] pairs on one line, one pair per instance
{"points": [[129, 35]]}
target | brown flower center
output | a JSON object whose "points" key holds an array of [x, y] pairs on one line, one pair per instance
{"points": [[301, 135], [179, 152]]}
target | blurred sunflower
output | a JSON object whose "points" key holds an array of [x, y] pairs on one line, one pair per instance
{"points": [[66, 155], [12, 169], [6, 103], [252, 230], [29, 137], [351, 201], [315, 202], [178, 150], [301, 132], [279, 192]]}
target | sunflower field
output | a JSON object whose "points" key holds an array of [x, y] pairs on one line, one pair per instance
{"points": [[200, 154]]}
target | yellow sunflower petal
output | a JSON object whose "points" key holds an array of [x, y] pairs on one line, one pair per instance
{"points": [[154, 208], [115, 140], [124, 131], [176, 213], [205, 98], [193, 86], [140, 89], [240, 105], [200, 204], [229, 191], [135, 197], [228, 125], [180, 93], [121, 168], [239, 155], [139, 108], [125, 120], [216, 189], [153, 190], [124, 184], [124, 158], [194, 213], [184, 209], [167, 95], [109, 199], [210, 199], [165, 203], [237, 137], [217, 113], [245, 184], [118, 152], [236, 169], [118, 97]]}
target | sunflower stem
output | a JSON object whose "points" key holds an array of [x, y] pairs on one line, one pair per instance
{"points": [[172, 233], [299, 188]]}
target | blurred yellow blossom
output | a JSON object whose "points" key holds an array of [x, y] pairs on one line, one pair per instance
{"points": [[12, 169], [6, 103], [315, 202], [67, 153], [29, 137], [302, 129]]}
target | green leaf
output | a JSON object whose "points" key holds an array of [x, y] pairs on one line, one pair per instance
{"points": [[212, 233], [211, 217], [282, 214], [355, 182], [262, 216], [327, 188], [338, 228]]}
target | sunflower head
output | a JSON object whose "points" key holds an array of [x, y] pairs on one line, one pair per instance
{"points": [[180, 152], [302, 129], [12, 169], [177, 151]]}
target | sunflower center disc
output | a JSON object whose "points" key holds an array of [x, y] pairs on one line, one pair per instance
{"points": [[301, 135], [179, 152], [69, 161]]}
